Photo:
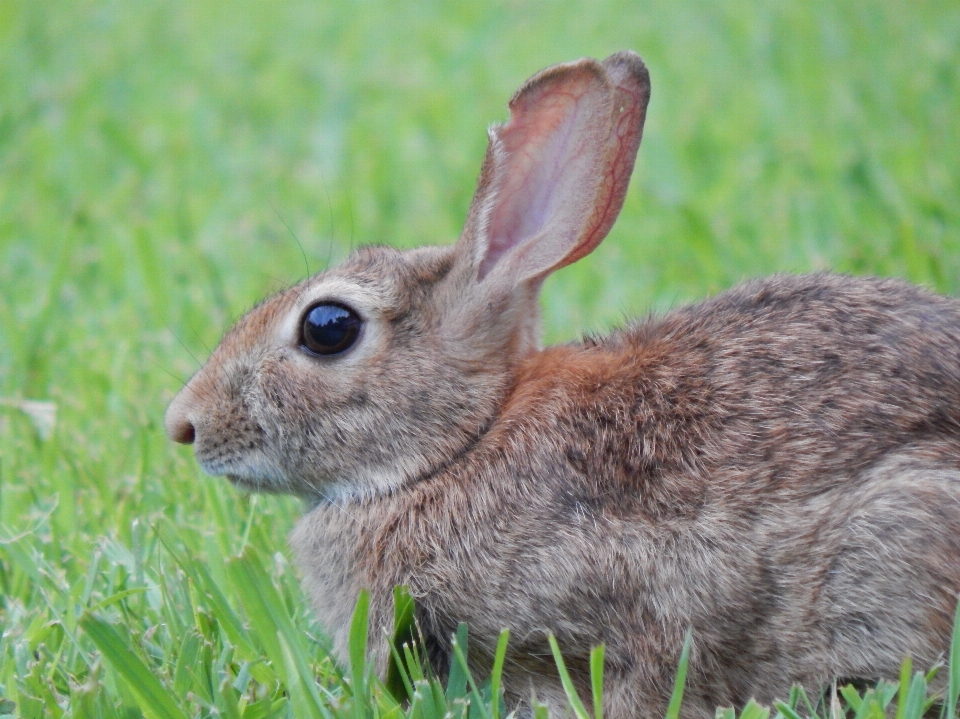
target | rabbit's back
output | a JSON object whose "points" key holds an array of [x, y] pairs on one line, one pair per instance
{"points": [[798, 380]]}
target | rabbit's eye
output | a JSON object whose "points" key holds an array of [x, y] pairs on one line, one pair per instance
{"points": [[329, 329]]}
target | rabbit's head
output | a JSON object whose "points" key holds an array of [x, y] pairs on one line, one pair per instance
{"points": [[380, 371]]}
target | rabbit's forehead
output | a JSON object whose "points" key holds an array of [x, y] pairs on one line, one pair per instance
{"points": [[369, 298], [379, 281]]}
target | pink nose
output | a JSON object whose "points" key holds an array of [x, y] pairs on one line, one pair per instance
{"points": [[179, 427], [181, 430]]}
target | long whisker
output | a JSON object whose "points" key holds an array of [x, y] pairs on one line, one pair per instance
{"points": [[296, 239], [183, 382], [350, 216], [177, 337], [333, 233]]}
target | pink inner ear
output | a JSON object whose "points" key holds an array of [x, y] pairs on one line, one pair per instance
{"points": [[540, 155], [542, 147], [630, 107], [560, 167]]}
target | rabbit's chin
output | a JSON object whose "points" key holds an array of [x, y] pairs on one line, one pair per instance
{"points": [[255, 484], [256, 475]]}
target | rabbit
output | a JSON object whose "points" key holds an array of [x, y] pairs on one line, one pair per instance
{"points": [[776, 468]]}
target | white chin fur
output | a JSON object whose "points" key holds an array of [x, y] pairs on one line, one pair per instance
{"points": [[250, 472], [257, 473]]}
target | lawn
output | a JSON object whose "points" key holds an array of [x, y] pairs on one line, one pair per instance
{"points": [[164, 164]]}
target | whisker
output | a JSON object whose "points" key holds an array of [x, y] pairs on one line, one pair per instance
{"points": [[333, 233], [198, 338], [183, 382], [296, 239], [177, 337], [350, 216]]}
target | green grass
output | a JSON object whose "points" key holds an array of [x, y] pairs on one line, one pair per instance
{"points": [[154, 154]]}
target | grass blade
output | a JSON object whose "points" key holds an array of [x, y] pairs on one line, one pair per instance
{"points": [[359, 628], [953, 683], [304, 703], [457, 681], [787, 711], [398, 678], [268, 616], [399, 684], [752, 710], [478, 705], [915, 703], [205, 584], [673, 709], [154, 700], [596, 680], [851, 696], [571, 691], [498, 660], [540, 710], [412, 658], [906, 669]]}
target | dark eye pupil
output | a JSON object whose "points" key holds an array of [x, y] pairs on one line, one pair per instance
{"points": [[329, 329]]}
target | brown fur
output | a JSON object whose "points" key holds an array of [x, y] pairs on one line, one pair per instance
{"points": [[777, 468]]}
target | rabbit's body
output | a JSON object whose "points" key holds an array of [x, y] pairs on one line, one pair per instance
{"points": [[777, 468], [768, 467]]}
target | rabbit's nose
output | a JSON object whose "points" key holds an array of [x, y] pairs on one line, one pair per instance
{"points": [[181, 431], [179, 427]]}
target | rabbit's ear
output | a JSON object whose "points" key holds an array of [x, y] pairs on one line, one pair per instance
{"points": [[555, 175]]}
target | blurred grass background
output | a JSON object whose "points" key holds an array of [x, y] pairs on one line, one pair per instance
{"points": [[157, 157]]}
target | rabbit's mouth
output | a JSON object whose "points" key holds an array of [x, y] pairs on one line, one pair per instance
{"points": [[251, 473], [255, 482]]}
